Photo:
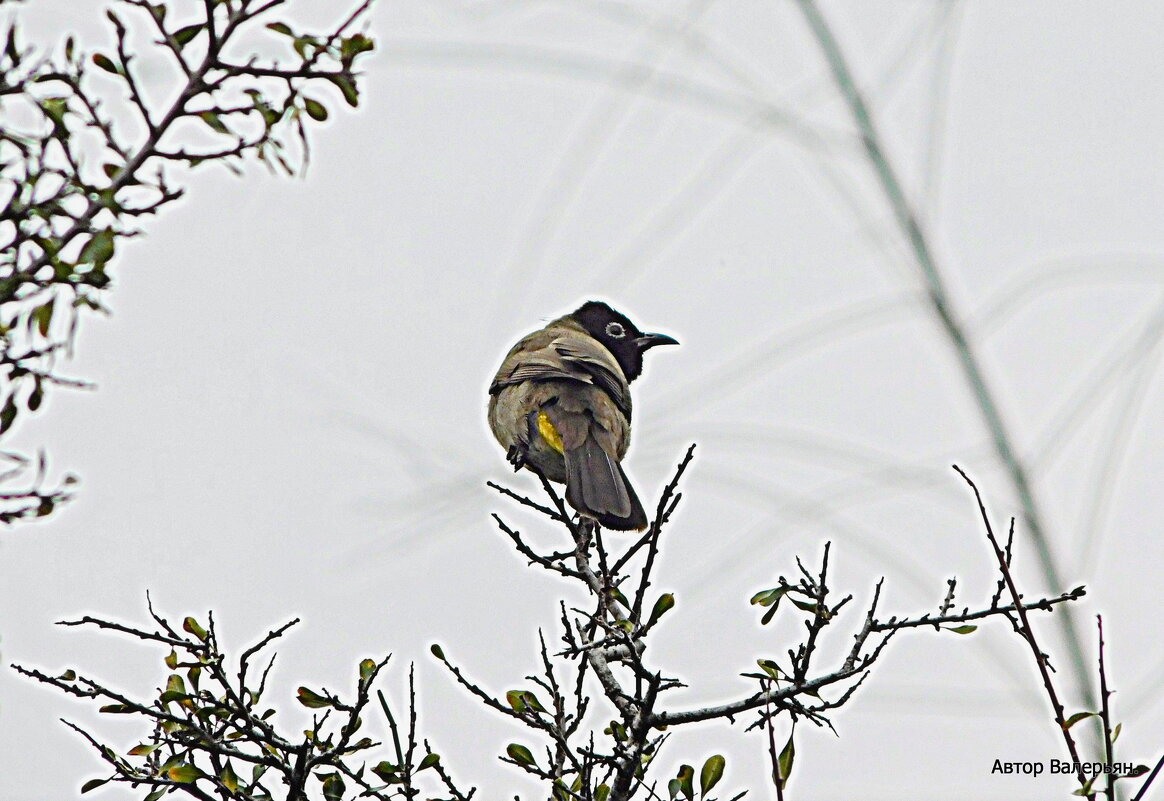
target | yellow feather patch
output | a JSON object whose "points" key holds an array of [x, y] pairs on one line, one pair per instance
{"points": [[549, 433]]}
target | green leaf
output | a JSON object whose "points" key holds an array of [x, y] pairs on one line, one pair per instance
{"points": [[686, 777], [515, 700], [768, 597], [143, 749], [770, 667], [963, 629], [520, 754], [429, 760], [172, 660], [805, 606], [183, 36], [71, 675], [281, 27], [191, 625], [175, 690], [55, 108], [352, 46], [99, 249], [116, 709], [665, 603], [771, 599], [316, 110], [106, 63], [43, 315], [214, 121], [301, 43], [176, 685], [8, 414], [347, 87], [1085, 790], [524, 701], [437, 651], [333, 787], [784, 762], [269, 115], [92, 784], [1115, 733], [602, 792], [711, 773], [367, 669], [184, 773], [228, 778], [311, 699], [387, 772], [1078, 716], [156, 794], [532, 702]]}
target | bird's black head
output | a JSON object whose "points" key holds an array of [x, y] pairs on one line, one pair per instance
{"points": [[619, 335]]}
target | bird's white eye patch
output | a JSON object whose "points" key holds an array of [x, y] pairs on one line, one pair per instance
{"points": [[615, 330]]}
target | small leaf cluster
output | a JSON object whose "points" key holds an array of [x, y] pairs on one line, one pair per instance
{"points": [[683, 785], [213, 732]]}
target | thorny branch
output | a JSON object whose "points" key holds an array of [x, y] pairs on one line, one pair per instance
{"points": [[1020, 622], [608, 641], [207, 719], [206, 723], [1028, 634], [82, 165]]}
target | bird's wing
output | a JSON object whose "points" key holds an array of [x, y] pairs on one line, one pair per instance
{"points": [[587, 355], [565, 356]]}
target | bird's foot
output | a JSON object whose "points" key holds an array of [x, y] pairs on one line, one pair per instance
{"points": [[516, 456]]}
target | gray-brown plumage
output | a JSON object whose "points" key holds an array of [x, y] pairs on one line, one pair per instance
{"points": [[560, 405]]}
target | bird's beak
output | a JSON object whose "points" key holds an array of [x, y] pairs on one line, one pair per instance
{"points": [[651, 340]]}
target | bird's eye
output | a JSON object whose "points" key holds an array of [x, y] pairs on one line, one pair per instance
{"points": [[615, 330]]}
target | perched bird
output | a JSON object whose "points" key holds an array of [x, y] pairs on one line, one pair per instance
{"points": [[560, 405]]}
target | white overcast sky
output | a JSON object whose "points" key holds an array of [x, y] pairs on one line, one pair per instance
{"points": [[289, 418]]}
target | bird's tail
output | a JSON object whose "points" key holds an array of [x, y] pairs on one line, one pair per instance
{"points": [[597, 487]]}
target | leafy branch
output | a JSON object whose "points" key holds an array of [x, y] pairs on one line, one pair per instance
{"points": [[212, 730], [90, 144], [603, 655]]}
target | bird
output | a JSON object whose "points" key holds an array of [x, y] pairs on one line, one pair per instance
{"points": [[560, 405]]}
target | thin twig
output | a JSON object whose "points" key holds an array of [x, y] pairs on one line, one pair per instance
{"points": [[1151, 778], [1105, 713], [1028, 633]]}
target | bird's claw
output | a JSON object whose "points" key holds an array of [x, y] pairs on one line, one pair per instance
{"points": [[516, 457]]}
